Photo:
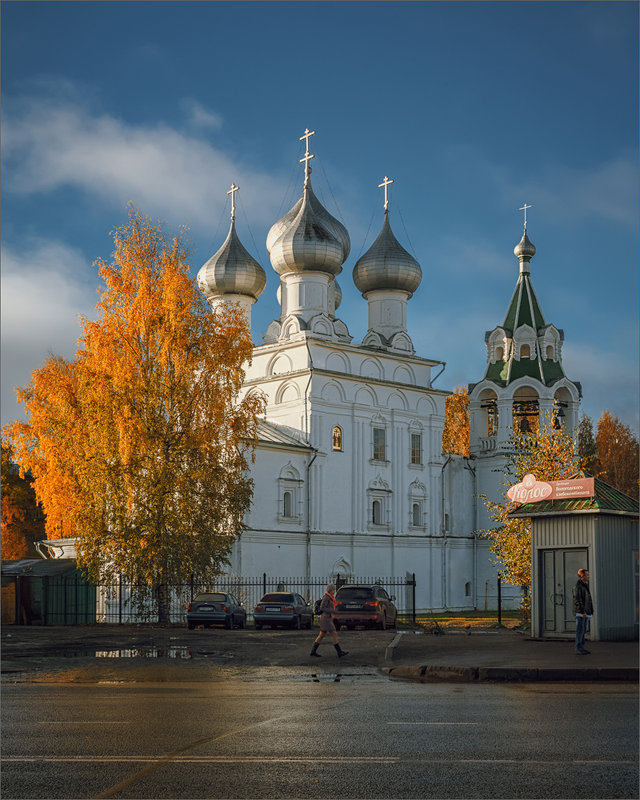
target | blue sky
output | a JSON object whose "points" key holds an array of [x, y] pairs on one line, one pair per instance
{"points": [[472, 108]]}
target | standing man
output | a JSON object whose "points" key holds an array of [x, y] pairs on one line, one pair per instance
{"points": [[326, 623], [583, 607]]}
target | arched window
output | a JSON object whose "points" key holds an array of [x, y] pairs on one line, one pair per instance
{"points": [[376, 513], [525, 351], [416, 514], [549, 351], [287, 505], [499, 353], [337, 438]]}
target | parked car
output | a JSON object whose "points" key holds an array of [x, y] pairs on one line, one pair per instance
{"points": [[283, 608], [216, 608], [370, 606]]}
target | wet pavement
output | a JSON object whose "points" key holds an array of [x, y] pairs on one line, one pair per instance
{"points": [[122, 653]]}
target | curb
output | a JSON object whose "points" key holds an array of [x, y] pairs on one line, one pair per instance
{"points": [[389, 652], [432, 674]]}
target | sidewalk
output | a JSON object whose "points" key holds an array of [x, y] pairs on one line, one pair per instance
{"points": [[497, 655]]}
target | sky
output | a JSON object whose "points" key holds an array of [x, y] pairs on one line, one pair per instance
{"points": [[472, 108]]}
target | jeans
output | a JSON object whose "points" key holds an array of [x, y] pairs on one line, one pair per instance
{"points": [[581, 629]]}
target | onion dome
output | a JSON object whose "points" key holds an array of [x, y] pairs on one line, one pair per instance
{"points": [[387, 265], [524, 248], [335, 293], [308, 238], [232, 270]]}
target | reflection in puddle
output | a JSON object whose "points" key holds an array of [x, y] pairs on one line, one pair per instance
{"points": [[145, 652]]}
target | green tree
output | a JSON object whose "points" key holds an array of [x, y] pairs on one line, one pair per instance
{"points": [[139, 447], [22, 519], [587, 450], [548, 453]]}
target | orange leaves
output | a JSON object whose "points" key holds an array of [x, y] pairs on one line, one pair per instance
{"points": [[138, 446], [617, 454], [456, 432]]}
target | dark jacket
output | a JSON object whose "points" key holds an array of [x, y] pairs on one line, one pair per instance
{"points": [[582, 602]]}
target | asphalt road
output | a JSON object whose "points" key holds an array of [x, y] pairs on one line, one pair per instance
{"points": [[351, 733]]}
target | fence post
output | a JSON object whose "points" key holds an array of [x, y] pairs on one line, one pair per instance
{"points": [[264, 583], [120, 600], [413, 597], [499, 603], [45, 599], [191, 584]]}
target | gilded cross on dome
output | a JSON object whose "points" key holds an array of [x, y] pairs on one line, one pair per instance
{"points": [[232, 191], [386, 183], [524, 208], [307, 156]]}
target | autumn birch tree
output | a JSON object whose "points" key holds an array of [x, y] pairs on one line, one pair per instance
{"points": [[22, 521], [548, 453], [617, 454], [456, 436], [139, 447]]}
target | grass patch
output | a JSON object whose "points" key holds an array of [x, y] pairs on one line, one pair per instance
{"points": [[461, 620]]}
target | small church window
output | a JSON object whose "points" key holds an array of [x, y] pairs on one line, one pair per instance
{"points": [[525, 351], [549, 351], [416, 448], [337, 438], [376, 513], [287, 505], [416, 515], [379, 449], [499, 353]]}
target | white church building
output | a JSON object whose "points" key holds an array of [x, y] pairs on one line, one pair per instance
{"points": [[349, 475]]}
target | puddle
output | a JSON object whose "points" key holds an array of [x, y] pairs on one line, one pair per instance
{"points": [[336, 677]]}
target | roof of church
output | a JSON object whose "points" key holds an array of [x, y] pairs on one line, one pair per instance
{"points": [[606, 499], [387, 265], [232, 270], [275, 433]]}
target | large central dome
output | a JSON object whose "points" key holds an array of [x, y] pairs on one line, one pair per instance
{"points": [[308, 239]]}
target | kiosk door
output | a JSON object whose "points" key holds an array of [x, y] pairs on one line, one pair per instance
{"points": [[559, 575]]}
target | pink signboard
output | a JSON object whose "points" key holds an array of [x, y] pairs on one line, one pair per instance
{"points": [[531, 490]]}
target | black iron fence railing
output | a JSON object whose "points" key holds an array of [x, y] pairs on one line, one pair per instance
{"points": [[69, 602]]}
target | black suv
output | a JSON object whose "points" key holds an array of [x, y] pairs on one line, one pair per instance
{"points": [[370, 606]]}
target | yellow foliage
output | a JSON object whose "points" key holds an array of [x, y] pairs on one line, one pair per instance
{"points": [[139, 445], [456, 432]]}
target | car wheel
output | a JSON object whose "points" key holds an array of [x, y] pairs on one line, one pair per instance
{"points": [[310, 623], [191, 625], [243, 623], [351, 627], [296, 624], [337, 625], [383, 623], [228, 623]]}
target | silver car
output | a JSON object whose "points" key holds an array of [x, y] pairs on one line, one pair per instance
{"points": [[283, 608], [216, 608]]}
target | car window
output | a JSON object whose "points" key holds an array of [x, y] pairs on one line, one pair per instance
{"points": [[277, 597], [210, 597], [354, 593]]}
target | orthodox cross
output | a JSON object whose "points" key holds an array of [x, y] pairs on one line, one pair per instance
{"points": [[232, 191], [307, 155], [386, 183], [524, 208]]}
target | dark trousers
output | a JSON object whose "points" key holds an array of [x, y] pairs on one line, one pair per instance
{"points": [[581, 629]]}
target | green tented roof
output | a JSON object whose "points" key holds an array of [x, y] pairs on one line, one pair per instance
{"points": [[524, 308]]}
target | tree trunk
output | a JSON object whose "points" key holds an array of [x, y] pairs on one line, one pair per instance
{"points": [[164, 604]]}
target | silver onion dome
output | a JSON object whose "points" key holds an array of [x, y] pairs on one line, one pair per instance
{"points": [[387, 265], [308, 238], [335, 292], [232, 270], [524, 248]]}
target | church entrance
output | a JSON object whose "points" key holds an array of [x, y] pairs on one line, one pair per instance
{"points": [[559, 573]]}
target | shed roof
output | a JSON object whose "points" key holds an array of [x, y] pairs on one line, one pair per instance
{"points": [[38, 566], [606, 500]]}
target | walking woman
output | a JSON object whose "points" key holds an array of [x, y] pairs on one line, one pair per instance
{"points": [[326, 623]]}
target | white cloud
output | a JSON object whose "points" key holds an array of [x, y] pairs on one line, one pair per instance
{"points": [[43, 291], [54, 143], [607, 190], [199, 116]]}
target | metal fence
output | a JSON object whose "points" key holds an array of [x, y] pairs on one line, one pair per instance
{"points": [[121, 603]]}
